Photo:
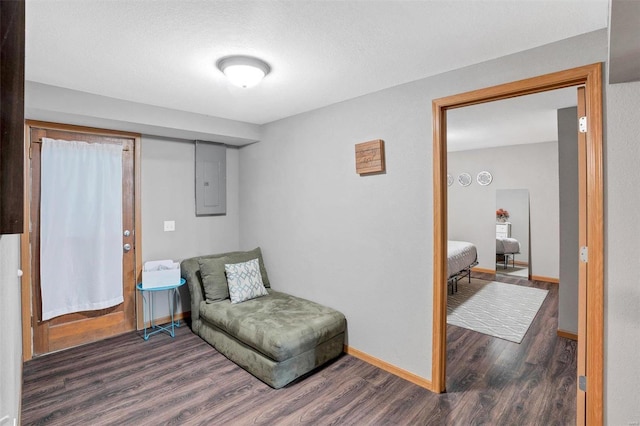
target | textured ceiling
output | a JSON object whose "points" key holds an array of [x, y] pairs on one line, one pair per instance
{"points": [[163, 53], [515, 121]]}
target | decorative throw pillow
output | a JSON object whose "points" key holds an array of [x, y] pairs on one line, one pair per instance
{"points": [[252, 254], [245, 281], [212, 272], [213, 277]]}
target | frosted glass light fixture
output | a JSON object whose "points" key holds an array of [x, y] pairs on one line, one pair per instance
{"points": [[243, 71]]}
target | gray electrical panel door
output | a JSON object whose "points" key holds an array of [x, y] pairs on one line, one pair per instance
{"points": [[211, 178]]}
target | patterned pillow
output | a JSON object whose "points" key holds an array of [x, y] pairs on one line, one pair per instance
{"points": [[245, 281]]}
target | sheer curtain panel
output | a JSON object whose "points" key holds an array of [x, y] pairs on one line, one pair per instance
{"points": [[80, 227]]}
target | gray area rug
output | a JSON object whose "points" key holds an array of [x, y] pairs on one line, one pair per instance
{"points": [[497, 309]]}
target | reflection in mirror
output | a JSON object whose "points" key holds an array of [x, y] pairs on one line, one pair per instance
{"points": [[512, 232]]}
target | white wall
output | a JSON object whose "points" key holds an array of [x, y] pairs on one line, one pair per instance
{"points": [[10, 328], [168, 193], [472, 209], [622, 255], [364, 245]]}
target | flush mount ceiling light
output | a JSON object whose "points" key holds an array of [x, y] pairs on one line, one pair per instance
{"points": [[243, 71]]}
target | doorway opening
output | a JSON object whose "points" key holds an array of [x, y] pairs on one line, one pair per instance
{"points": [[591, 329]]}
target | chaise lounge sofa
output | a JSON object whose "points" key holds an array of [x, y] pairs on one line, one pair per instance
{"points": [[276, 337]]}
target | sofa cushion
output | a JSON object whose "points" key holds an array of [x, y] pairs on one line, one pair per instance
{"points": [[278, 325], [244, 281], [214, 280]]}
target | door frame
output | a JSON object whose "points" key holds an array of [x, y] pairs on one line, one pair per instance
{"points": [[25, 249], [589, 76]]}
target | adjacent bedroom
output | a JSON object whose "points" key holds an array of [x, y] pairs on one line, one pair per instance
{"points": [[512, 228]]}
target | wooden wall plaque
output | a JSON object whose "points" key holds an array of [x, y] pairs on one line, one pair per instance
{"points": [[370, 157]]}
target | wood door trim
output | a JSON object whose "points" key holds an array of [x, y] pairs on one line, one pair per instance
{"points": [[591, 77], [48, 125], [38, 339], [25, 262], [595, 242], [581, 338], [138, 227]]}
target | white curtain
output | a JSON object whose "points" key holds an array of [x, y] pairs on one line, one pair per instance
{"points": [[80, 226]]}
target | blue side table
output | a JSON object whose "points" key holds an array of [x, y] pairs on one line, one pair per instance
{"points": [[173, 294]]}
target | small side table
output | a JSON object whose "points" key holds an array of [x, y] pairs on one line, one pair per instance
{"points": [[173, 293]]}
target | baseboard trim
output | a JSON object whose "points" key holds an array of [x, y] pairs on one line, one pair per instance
{"points": [[545, 279], [484, 270], [567, 335], [389, 368]]}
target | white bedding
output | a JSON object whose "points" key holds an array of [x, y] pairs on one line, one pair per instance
{"points": [[507, 246], [461, 255]]}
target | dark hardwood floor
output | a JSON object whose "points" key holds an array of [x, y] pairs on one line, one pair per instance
{"points": [[128, 381]]}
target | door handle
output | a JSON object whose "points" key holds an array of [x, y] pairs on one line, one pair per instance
{"points": [[127, 247]]}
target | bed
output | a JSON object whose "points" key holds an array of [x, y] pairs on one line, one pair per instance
{"points": [[507, 248], [461, 257]]}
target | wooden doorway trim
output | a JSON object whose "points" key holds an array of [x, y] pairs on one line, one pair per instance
{"points": [[25, 254], [581, 400], [591, 77]]}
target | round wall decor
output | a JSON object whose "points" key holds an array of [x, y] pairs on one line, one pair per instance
{"points": [[449, 180], [484, 178], [464, 179]]}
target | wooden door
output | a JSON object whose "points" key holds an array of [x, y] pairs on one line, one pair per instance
{"points": [[74, 329], [582, 266]]}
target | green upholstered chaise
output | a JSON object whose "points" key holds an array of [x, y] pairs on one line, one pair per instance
{"points": [[276, 337]]}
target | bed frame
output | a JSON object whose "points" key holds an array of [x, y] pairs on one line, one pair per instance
{"points": [[503, 258], [452, 281]]}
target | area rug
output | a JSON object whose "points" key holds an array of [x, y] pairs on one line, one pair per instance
{"points": [[497, 309]]}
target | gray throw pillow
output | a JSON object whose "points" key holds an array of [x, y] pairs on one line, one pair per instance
{"points": [[214, 280], [213, 275]]}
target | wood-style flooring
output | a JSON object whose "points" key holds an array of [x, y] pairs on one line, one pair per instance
{"points": [[184, 381]]}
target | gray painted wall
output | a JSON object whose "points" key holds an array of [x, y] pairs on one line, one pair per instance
{"points": [[341, 255], [364, 244], [168, 193], [472, 209], [622, 254], [10, 329], [43, 102], [568, 173]]}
